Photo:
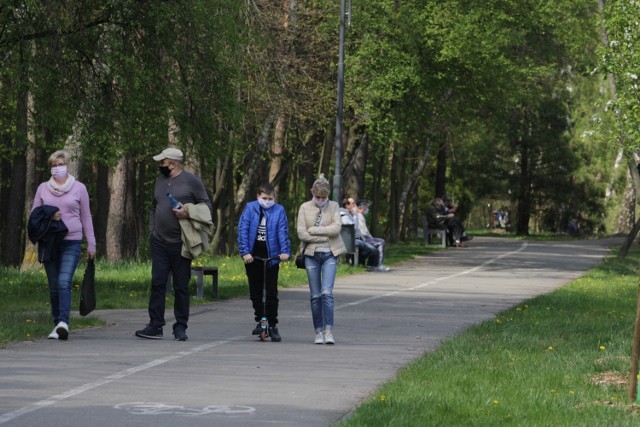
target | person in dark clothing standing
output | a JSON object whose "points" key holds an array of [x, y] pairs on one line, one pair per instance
{"points": [[166, 242], [263, 232]]}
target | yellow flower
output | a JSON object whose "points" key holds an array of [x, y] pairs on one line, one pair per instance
{"points": [[602, 347], [495, 402], [498, 321], [550, 348]]}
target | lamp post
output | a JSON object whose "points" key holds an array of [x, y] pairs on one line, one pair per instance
{"points": [[337, 178]]}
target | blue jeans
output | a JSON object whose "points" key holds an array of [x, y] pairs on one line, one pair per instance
{"points": [[60, 276], [321, 272]]}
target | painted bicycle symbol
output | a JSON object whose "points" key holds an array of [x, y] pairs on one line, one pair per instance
{"points": [[150, 408]]}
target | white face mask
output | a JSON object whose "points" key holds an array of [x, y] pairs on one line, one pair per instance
{"points": [[321, 203], [59, 171], [266, 204]]}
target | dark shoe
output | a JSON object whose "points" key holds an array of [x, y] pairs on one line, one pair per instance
{"points": [[179, 332], [275, 336], [466, 238], [257, 330], [150, 332]]}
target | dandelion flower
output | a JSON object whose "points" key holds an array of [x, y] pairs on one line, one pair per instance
{"points": [[495, 402], [550, 348], [602, 347]]}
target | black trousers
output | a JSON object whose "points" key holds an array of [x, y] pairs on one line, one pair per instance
{"points": [[455, 229], [255, 275], [166, 259]]}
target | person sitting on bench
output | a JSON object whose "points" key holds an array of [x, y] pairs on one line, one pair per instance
{"points": [[377, 242], [366, 251], [438, 217]]}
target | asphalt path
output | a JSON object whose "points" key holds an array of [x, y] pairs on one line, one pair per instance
{"points": [[224, 376]]}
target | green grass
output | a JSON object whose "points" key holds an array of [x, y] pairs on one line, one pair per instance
{"points": [[24, 296], [561, 359]]}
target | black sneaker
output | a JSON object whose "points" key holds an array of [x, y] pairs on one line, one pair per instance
{"points": [[257, 330], [275, 336], [180, 333], [150, 332]]}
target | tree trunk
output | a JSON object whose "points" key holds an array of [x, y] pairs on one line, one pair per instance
{"points": [[117, 211], [356, 169], [250, 173], [524, 193], [627, 212], [395, 177], [277, 147], [379, 168], [30, 257], [12, 240], [221, 199], [441, 169], [411, 182], [628, 241]]}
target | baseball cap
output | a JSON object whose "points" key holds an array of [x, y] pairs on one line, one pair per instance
{"points": [[169, 153]]}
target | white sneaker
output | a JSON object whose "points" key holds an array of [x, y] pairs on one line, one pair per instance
{"points": [[62, 329], [328, 337], [382, 268], [319, 338], [53, 335]]}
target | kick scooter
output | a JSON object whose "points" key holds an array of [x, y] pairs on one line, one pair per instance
{"points": [[264, 323]]}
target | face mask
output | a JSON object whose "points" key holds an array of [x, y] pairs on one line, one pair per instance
{"points": [[366, 211], [321, 203], [266, 204], [164, 170], [59, 171]]}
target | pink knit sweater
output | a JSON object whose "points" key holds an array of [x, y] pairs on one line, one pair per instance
{"points": [[76, 213]]}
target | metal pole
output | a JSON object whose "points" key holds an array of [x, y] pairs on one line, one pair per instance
{"points": [[337, 178]]}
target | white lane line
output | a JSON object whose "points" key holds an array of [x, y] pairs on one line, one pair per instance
{"points": [[4, 418], [434, 281]]}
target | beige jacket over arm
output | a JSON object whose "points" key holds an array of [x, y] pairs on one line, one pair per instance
{"points": [[197, 229], [328, 230]]}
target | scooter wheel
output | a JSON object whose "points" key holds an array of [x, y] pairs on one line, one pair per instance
{"points": [[263, 336]]}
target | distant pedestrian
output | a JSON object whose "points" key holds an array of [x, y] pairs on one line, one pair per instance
{"points": [[64, 200], [167, 255], [318, 227], [263, 232]]}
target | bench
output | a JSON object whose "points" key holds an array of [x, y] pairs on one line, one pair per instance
{"points": [[348, 234], [201, 271], [438, 235]]}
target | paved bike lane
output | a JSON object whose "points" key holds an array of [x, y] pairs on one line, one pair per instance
{"points": [[222, 376]]}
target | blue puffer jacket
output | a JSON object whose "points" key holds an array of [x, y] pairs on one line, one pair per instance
{"points": [[277, 230]]}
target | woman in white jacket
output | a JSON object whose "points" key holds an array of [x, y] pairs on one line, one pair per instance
{"points": [[318, 228]]}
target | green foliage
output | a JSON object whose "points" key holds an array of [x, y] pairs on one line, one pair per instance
{"points": [[621, 58]]}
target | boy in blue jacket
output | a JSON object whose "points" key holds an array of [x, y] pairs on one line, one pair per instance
{"points": [[263, 232]]}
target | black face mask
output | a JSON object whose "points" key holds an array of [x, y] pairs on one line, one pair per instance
{"points": [[164, 170]]}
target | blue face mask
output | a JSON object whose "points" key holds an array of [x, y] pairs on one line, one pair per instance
{"points": [[366, 211]]}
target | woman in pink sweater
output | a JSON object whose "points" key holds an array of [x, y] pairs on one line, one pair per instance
{"points": [[71, 198]]}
